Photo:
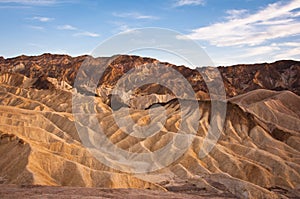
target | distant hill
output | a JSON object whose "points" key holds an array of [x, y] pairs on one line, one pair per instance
{"points": [[238, 79]]}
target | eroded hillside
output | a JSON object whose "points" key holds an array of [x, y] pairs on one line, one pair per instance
{"points": [[256, 156]]}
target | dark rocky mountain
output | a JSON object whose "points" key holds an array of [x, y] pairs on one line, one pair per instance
{"points": [[238, 79]]}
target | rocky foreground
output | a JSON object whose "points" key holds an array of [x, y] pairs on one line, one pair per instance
{"points": [[256, 156]]}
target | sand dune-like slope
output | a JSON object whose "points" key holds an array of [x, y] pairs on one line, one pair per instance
{"points": [[40, 144], [277, 109], [257, 155]]}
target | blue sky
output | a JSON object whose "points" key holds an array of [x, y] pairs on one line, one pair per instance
{"points": [[230, 31]]}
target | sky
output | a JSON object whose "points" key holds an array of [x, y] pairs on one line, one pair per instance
{"points": [[229, 31]]}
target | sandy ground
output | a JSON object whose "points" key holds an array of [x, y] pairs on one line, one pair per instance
{"points": [[13, 191]]}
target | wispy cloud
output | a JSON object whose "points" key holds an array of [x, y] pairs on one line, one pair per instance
{"points": [[180, 3], [14, 6], [43, 19], [86, 34], [120, 26], [66, 27], [258, 51], [78, 32], [261, 53], [36, 27], [134, 15], [30, 2], [287, 44], [242, 28], [291, 50], [293, 53], [124, 28], [235, 14], [35, 45]]}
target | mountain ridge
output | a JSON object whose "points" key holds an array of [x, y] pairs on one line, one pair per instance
{"points": [[285, 73]]}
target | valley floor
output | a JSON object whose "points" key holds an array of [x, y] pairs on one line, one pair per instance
{"points": [[31, 191]]}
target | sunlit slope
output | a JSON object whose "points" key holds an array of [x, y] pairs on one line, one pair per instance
{"points": [[257, 154]]}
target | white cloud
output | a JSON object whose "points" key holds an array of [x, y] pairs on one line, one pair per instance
{"points": [[43, 19], [30, 2], [277, 20], [287, 44], [86, 34], [258, 51], [179, 3], [134, 15], [291, 50], [124, 28], [66, 27], [79, 32], [293, 53], [234, 14], [120, 27], [255, 54]]}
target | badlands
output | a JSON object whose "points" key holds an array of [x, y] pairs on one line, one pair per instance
{"points": [[47, 134]]}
